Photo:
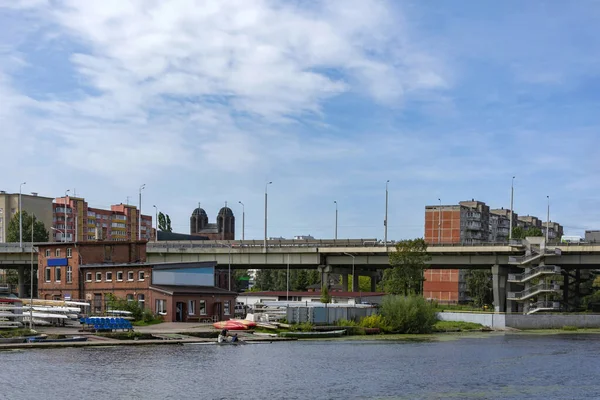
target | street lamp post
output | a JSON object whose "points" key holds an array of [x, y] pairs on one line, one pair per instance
{"points": [[265, 244], [21, 215], [140, 213], [512, 193], [385, 221], [156, 232], [350, 255], [58, 230], [440, 222], [243, 220], [548, 220], [336, 218], [66, 216]]}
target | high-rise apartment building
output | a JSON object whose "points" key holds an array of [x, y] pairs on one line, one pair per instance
{"points": [[469, 223], [555, 232], [32, 203], [74, 219]]}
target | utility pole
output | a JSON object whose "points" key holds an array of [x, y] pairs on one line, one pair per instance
{"points": [[31, 276], [548, 220]]}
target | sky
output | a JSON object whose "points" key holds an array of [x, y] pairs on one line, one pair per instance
{"points": [[207, 101]]}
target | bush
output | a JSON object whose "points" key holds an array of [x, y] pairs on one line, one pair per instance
{"points": [[346, 322], [375, 321], [303, 327], [569, 328], [411, 314]]}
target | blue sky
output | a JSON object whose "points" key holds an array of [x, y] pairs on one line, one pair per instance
{"points": [[206, 101]]}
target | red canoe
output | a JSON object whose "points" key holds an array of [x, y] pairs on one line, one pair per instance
{"points": [[235, 325]]}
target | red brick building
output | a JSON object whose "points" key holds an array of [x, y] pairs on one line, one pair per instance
{"points": [[90, 271]]}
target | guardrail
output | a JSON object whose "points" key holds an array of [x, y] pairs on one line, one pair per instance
{"points": [[525, 294], [546, 269]]}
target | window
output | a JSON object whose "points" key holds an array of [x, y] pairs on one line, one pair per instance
{"points": [[226, 307], [129, 275], [129, 297], [202, 307], [69, 252], [48, 253], [57, 274], [47, 274], [120, 276], [161, 306], [69, 274], [109, 277], [88, 276], [98, 276], [57, 253], [191, 307], [141, 301], [140, 275]]}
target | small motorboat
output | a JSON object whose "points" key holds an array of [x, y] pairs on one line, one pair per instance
{"points": [[313, 335]]}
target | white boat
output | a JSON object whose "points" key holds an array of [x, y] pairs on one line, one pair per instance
{"points": [[5, 314], [119, 312], [37, 314], [57, 309], [37, 321]]}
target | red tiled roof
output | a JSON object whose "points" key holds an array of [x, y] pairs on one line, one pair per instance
{"points": [[314, 294]]}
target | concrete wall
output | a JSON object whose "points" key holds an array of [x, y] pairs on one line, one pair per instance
{"points": [[324, 315], [485, 319], [555, 321]]}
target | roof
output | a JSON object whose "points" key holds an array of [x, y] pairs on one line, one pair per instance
{"points": [[180, 290], [157, 266], [315, 294]]}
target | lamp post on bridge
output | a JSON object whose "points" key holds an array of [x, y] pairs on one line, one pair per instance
{"points": [[243, 220], [385, 221], [336, 218], [265, 243], [440, 222]]}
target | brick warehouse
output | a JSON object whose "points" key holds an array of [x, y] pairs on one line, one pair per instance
{"points": [[92, 270]]}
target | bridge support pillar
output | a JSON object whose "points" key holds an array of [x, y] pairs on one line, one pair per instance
{"points": [[355, 282], [21, 274], [499, 276], [345, 282], [373, 283], [325, 271]]}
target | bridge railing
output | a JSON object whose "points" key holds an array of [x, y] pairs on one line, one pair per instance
{"points": [[542, 287], [550, 269]]}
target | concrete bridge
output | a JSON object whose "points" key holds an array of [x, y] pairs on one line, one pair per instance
{"points": [[365, 257]]}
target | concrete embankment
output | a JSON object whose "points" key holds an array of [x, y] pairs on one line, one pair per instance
{"points": [[103, 342], [504, 321]]}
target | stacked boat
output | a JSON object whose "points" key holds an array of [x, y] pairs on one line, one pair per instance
{"points": [[11, 313], [51, 312]]}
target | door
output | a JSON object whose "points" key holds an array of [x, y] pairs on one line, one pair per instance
{"points": [[179, 311], [217, 307]]}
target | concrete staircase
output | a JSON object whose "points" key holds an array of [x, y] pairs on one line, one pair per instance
{"points": [[543, 306], [533, 291], [534, 272]]}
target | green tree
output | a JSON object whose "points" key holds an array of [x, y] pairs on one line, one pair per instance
{"points": [[164, 222], [313, 277], [264, 280], [325, 296], [520, 233], [237, 283], [407, 266], [479, 286], [40, 233], [301, 282], [408, 314]]}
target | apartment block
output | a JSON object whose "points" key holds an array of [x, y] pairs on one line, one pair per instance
{"points": [[32, 203], [529, 221], [75, 220], [555, 232], [500, 224]]}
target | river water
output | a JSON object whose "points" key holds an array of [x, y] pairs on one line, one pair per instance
{"points": [[511, 366]]}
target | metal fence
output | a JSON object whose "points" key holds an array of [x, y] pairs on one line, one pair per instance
{"points": [[327, 315]]}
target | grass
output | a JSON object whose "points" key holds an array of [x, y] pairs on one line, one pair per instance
{"points": [[147, 323], [131, 335], [10, 333], [456, 326]]}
